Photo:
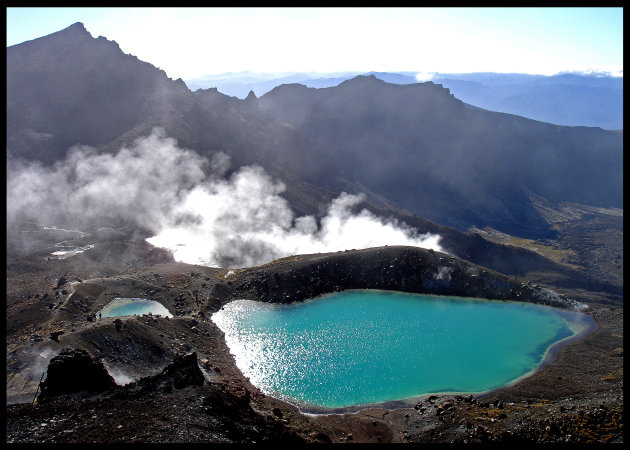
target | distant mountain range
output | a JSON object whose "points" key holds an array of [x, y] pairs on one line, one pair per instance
{"points": [[566, 99], [415, 150]]}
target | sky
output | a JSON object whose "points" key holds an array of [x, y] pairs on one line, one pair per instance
{"points": [[192, 42]]}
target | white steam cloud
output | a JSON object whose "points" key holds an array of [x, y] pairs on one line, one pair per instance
{"points": [[203, 218], [138, 184], [120, 377], [40, 358]]}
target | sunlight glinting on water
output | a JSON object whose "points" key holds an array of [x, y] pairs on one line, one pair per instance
{"points": [[360, 347]]}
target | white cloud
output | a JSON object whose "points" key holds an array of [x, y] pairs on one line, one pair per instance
{"points": [[424, 76]]}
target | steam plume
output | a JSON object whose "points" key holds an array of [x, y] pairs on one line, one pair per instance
{"points": [[190, 207], [120, 377]]}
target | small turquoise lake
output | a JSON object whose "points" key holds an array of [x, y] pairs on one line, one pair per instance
{"points": [[363, 347], [120, 307]]}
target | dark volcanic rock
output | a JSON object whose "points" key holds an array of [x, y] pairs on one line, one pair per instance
{"points": [[61, 282], [74, 370], [396, 268], [231, 401], [184, 370], [55, 335], [177, 405], [145, 412], [181, 372]]}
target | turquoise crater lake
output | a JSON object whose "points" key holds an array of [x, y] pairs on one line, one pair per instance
{"points": [[363, 347], [120, 307]]}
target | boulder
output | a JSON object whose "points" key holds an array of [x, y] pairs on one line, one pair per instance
{"points": [[181, 372], [55, 335], [74, 370], [185, 371], [63, 280]]}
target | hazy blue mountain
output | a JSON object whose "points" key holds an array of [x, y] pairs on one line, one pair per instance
{"points": [[239, 84], [565, 99], [523, 79]]}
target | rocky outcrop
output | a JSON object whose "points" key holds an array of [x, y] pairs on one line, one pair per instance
{"points": [[63, 280], [183, 371], [74, 370], [251, 97], [397, 268]]}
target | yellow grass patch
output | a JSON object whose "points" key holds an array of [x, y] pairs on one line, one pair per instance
{"points": [[614, 375]]}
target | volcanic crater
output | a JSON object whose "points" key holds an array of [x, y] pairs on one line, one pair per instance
{"points": [[140, 347]]}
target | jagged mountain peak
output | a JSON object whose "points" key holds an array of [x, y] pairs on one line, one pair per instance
{"points": [[70, 34], [288, 88], [76, 27], [75, 30], [72, 71], [364, 79]]}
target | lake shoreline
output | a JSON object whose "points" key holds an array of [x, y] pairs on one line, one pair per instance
{"points": [[580, 324]]}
